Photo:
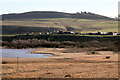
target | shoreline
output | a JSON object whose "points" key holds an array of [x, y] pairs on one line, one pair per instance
{"points": [[84, 56]]}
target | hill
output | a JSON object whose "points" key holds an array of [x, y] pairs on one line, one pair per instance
{"points": [[54, 21], [52, 14]]}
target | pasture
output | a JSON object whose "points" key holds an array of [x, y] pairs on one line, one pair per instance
{"points": [[21, 26]]}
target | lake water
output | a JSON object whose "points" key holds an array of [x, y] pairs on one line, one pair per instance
{"points": [[21, 53]]}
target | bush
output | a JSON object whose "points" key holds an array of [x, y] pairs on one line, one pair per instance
{"points": [[4, 62], [35, 43], [93, 53]]}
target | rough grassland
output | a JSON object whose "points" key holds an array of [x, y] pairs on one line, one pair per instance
{"points": [[51, 24], [79, 64]]}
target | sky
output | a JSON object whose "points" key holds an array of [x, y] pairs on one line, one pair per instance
{"points": [[104, 7]]}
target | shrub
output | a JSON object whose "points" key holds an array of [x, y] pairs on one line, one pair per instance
{"points": [[93, 53], [4, 62], [34, 43]]}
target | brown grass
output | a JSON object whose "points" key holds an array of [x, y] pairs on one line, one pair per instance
{"points": [[62, 65]]}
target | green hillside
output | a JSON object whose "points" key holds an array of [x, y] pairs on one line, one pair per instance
{"points": [[21, 26]]}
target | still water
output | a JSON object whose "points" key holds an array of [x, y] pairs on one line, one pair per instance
{"points": [[21, 53]]}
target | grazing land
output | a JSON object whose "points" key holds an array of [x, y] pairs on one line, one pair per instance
{"points": [[22, 26]]}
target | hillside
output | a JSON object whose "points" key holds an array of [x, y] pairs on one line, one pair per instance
{"points": [[52, 14], [54, 21]]}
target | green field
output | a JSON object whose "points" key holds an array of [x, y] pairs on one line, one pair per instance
{"points": [[53, 24]]}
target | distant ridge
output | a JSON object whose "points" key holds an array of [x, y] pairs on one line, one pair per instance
{"points": [[53, 14]]}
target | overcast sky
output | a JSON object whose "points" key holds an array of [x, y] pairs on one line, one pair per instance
{"points": [[103, 7]]}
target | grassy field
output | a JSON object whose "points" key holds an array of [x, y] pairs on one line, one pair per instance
{"points": [[107, 26], [53, 24]]}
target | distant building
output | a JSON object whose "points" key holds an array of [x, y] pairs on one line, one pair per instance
{"points": [[47, 33], [112, 33], [65, 32], [68, 32], [115, 33], [103, 33], [59, 32]]}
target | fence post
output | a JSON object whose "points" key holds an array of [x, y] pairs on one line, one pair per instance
{"points": [[17, 64]]}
